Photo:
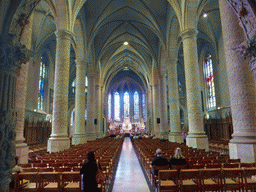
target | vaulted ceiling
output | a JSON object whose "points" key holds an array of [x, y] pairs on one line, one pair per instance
{"points": [[147, 25]]}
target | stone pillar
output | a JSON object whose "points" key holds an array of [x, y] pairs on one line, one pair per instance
{"points": [[163, 103], [59, 140], [149, 111], [155, 111], [196, 137], [20, 98], [90, 129], [173, 92], [79, 136], [98, 103], [242, 89], [11, 58]]}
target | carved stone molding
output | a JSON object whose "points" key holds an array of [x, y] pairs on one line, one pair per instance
{"points": [[21, 15], [246, 16], [247, 19], [12, 55], [7, 147]]}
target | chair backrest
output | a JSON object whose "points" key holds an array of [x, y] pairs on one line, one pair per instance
{"points": [[62, 169], [168, 175], [49, 169], [230, 165], [232, 172], [31, 170], [179, 167], [50, 177], [71, 176], [189, 174], [249, 171], [210, 173], [157, 168], [247, 165], [216, 165]]}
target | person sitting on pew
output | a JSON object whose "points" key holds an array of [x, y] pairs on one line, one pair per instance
{"points": [[159, 160], [89, 170], [178, 160], [15, 170]]}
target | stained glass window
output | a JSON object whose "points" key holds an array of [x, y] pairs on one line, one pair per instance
{"points": [[42, 84], [117, 106], [109, 106], [86, 83], [126, 104], [73, 85], [144, 106], [72, 121], [136, 105], [209, 83]]}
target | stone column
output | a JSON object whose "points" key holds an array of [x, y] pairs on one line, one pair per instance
{"points": [[9, 69], [79, 136], [90, 129], [196, 137], [20, 98], [59, 140], [149, 111], [163, 103], [242, 89], [173, 92], [155, 111], [98, 103]]}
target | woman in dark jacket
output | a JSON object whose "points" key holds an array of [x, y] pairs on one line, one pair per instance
{"points": [[89, 170], [177, 159]]}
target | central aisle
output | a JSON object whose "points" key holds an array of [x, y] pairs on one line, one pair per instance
{"points": [[129, 176]]}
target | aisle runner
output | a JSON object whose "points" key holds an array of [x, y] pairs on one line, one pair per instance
{"points": [[129, 176]]}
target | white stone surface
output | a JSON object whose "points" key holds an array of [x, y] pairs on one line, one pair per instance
{"points": [[129, 176]]}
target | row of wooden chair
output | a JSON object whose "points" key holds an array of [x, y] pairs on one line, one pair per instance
{"points": [[48, 181], [227, 179], [107, 152]]}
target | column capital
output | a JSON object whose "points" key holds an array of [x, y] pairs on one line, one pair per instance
{"points": [[64, 34], [189, 33]]}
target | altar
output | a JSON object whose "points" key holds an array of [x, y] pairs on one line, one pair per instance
{"points": [[127, 126]]}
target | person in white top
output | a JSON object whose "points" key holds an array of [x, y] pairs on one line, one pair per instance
{"points": [[184, 136]]}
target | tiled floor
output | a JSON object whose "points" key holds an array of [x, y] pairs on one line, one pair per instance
{"points": [[129, 176]]}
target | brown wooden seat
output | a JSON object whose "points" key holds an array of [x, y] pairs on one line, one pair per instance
{"points": [[154, 173], [28, 182], [210, 179], [189, 179], [71, 181], [232, 179], [49, 181], [168, 180], [250, 178]]}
